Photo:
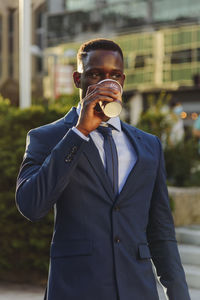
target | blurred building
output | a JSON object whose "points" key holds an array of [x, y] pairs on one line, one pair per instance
{"points": [[160, 40], [72, 19], [9, 47]]}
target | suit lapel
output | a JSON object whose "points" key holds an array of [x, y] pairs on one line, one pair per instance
{"points": [[138, 145], [92, 154]]}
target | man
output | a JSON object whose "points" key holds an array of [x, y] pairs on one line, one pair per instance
{"points": [[103, 241]]}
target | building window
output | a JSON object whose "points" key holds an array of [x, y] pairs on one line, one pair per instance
{"points": [[198, 54], [11, 42], [182, 56], [141, 61]]}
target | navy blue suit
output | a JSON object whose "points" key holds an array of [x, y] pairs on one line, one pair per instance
{"points": [[102, 245]]}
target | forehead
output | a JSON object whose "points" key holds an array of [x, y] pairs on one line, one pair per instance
{"points": [[102, 59]]}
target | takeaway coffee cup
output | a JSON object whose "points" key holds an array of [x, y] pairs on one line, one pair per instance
{"points": [[114, 108]]}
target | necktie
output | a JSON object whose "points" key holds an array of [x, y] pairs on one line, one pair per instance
{"points": [[111, 156]]}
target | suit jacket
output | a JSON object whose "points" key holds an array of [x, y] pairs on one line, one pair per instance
{"points": [[102, 245]]}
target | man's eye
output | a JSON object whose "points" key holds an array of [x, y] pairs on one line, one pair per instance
{"points": [[116, 76], [94, 75]]}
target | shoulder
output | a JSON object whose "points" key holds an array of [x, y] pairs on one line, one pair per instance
{"points": [[44, 129], [140, 133], [49, 131], [53, 132], [47, 136], [44, 138], [150, 141]]}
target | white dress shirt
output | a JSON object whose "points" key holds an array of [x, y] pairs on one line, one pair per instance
{"points": [[126, 153]]}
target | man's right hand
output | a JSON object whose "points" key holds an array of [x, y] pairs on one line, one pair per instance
{"points": [[90, 118]]}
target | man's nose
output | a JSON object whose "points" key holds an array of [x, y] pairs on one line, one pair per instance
{"points": [[106, 76]]}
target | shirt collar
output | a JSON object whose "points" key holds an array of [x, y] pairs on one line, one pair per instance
{"points": [[115, 122]]}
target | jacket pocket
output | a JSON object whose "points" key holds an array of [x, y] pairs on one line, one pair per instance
{"points": [[143, 251], [71, 248]]}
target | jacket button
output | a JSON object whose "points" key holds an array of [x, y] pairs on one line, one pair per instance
{"points": [[117, 240], [74, 149], [68, 158]]}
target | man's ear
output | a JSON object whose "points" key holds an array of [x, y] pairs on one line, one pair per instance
{"points": [[77, 79], [123, 79]]}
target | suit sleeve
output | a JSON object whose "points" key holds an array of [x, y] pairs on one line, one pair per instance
{"points": [[162, 240], [45, 174]]}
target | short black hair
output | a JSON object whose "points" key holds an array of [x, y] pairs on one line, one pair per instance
{"points": [[98, 44]]}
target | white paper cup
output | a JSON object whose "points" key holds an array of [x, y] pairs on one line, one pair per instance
{"points": [[114, 108]]}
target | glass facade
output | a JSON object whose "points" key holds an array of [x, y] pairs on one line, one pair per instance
{"points": [[163, 10], [175, 9], [159, 59]]}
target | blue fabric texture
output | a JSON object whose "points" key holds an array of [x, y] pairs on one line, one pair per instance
{"points": [[103, 243]]}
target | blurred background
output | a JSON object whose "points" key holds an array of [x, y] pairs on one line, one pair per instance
{"points": [[39, 40]]}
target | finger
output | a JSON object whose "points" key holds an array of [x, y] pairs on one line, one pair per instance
{"points": [[100, 98], [91, 88]]}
